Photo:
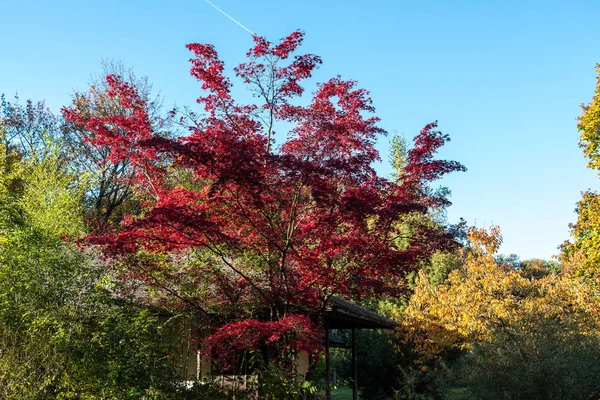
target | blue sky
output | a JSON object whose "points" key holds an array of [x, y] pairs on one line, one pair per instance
{"points": [[504, 78]]}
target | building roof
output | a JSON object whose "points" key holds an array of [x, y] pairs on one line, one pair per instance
{"points": [[341, 314]]}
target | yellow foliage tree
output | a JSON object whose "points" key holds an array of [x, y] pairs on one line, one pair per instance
{"points": [[585, 247], [481, 298], [589, 126]]}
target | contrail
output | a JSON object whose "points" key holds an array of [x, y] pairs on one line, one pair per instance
{"points": [[230, 17]]}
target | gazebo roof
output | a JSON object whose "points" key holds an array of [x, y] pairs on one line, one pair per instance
{"points": [[341, 314]]}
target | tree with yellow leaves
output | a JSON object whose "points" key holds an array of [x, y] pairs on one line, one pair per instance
{"points": [[517, 332], [586, 231]]}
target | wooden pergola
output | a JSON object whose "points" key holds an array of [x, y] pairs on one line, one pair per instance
{"points": [[340, 314]]}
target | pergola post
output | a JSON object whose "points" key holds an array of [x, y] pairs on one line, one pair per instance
{"points": [[327, 365], [355, 381]]}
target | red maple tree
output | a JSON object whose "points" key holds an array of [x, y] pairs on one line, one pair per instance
{"points": [[275, 227]]}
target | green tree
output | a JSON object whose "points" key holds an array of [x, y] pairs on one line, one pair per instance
{"points": [[67, 330], [534, 362]]}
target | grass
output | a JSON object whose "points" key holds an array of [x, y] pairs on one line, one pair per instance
{"points": [[342, 393]]}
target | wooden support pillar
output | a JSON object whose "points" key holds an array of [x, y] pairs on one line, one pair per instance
{"points": [[354, 378], [327, 366]]}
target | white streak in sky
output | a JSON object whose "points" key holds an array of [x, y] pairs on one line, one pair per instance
{"points": [[230, 17]]}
